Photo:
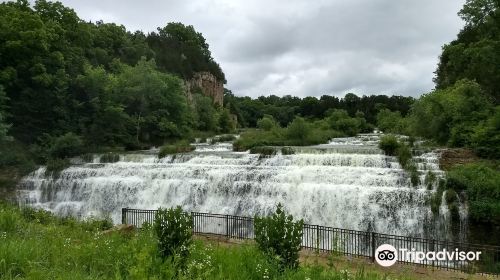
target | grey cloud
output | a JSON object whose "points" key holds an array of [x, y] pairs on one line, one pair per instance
{"points": [[305, 47]]}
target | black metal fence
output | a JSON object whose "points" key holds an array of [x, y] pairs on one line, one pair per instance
{"points": [[341, 241]]}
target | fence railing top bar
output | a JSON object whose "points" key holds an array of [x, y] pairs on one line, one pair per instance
{"points": [[351, 231]]}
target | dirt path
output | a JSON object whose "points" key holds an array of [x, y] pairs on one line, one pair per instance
{"points": [[354, 264]]}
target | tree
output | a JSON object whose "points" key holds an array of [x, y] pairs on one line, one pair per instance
{"points": [[486, 137], [390, 122], [267, 123], [226, 122], [298, 130], [475, 54], [450, 115]]}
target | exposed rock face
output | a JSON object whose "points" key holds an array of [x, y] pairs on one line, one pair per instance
{"points": [[208, 84]]}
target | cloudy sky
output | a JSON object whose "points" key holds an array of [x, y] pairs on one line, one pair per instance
{"points": [[303, 47]]}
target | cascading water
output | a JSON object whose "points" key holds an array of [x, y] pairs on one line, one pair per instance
{"points": [[347, 183]]}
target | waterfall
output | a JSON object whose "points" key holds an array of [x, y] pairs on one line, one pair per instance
{"points": [[347, 183]]}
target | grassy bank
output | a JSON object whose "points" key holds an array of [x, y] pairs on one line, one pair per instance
{"points": [[36, 245]]}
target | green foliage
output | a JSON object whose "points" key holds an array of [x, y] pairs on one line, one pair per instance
{"points": [[486, 137], [389, 144], [287, 151], [391, 122], [299, 130], [206, 114], [449, 116], [403, 153], [173, 228], [109, 158], [267, 123], [226, 123], [55, 165], [280, 237], [64, 146], [223, 138], [480, 182], [64, 247], [341, 121], [96, 80], [178, 147], [264, 151], [475, 54]]}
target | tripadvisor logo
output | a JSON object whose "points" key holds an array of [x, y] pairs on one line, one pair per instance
{"points": [[387, 255]]}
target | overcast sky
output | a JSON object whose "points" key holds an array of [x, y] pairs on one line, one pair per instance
{"points": [[303, 47]]}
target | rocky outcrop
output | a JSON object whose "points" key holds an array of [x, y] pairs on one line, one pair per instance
{"points": [[209, 86]]}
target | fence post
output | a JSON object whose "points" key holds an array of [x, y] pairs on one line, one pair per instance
{"points": [[124, 213], [373, 246], [317, 237], [227, 226]]}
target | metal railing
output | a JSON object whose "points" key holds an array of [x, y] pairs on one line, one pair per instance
{"points": [[339, 241]]}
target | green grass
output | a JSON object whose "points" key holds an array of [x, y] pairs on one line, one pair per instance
{"points": [[37, 245]]}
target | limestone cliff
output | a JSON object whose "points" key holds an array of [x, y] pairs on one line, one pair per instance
{"points": [[208, 84]]}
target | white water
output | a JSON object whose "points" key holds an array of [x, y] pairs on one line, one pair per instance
{"points": [[347, 183]]}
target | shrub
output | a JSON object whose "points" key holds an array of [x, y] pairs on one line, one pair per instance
{"points": [[87, 157], [267, 123], [93, 224], [222, 138], [430, 178], [404, 155], [298, 130], [173, 228], [280, 237], [389, 144], [264, 151], [64, 146], [179, 147], [287, 151], [56, 165], [37, 215], [480, 182], [109, 158]]}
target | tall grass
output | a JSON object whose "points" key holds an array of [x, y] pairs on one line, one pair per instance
{"points": [[37, 245]]}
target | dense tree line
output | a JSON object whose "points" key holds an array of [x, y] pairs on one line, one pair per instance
{"points": [[285, 109], [475, 54], [96, 84]]}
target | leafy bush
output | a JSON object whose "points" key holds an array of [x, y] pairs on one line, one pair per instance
{"points": [[173, 228], [223, 138], [299, 130], [267, 123], [287, 151], [64, 146], [93, 224], [56, 165], [389, 144], [179, 147], [37, 215], [404, 155], [480, 182], [280, 237], [109, 158], [264, 151]]}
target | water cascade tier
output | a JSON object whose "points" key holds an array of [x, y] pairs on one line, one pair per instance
{"points": [[347, 183]]}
